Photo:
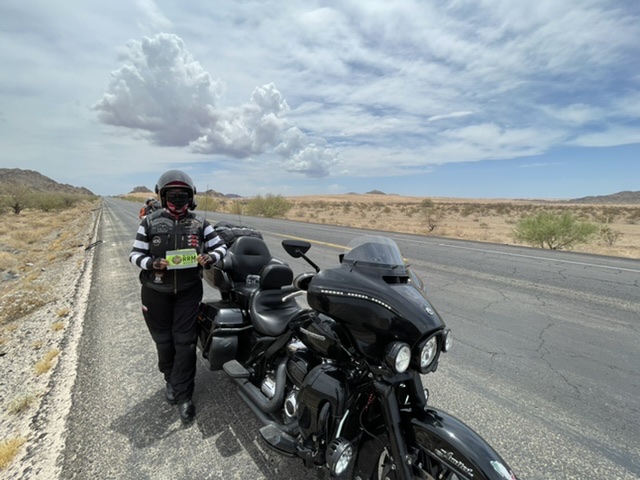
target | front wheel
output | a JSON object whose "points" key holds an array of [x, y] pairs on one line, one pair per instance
{"points": [[378, 464]]}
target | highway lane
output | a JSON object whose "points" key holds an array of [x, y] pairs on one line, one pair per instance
{"points": [[544, 365]]}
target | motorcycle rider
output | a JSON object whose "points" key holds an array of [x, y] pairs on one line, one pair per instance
{"points": [[171, 247], [150, 205]]}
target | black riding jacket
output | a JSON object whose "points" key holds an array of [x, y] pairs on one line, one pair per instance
{"points": [[159, 233]]}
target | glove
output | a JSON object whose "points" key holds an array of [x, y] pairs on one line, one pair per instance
{"points": [[206, 260], [159, 264]]}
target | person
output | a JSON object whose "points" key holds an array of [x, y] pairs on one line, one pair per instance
{"points": [[172, 246], [144, 208], [150, 205]]}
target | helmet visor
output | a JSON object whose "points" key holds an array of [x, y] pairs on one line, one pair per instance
{"points": [[179, 198]]}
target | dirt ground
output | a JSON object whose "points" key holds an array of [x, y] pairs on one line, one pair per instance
{"points": [[485, 220]]}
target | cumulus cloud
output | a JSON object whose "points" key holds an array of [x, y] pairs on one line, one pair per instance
{"points": [[162, 91]]}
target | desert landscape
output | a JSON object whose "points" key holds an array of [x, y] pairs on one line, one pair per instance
{"points": [[43, 253], [485, 220]]}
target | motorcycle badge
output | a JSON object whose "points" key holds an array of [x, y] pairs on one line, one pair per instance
{"points": [[502, 470]]}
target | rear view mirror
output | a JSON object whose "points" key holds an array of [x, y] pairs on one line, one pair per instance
{"points": [[296, 248]]}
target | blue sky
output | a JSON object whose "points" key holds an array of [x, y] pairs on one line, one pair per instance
{"points": [[458, 98]]}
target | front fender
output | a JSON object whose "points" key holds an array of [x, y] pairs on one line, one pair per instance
{"points": [[452, 442]]}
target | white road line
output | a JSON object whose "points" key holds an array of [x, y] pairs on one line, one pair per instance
{"points": [[533, 257]]}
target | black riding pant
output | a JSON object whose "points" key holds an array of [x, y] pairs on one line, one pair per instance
{"points": [[172, 322]]}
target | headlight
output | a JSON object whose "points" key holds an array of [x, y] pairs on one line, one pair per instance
{"points": [[428, 352], [398, 356]]}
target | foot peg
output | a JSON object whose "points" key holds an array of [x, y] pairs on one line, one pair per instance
{"points": [[279, 440], [234, 369]]}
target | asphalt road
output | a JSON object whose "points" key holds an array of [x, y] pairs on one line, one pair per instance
{"points": [[544, 365]]}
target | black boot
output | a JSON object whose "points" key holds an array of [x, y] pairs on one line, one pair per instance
{"points": [[170, 395], [187, 411]]}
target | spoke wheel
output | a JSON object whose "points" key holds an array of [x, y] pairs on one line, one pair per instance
{"points": [[426, 467]]}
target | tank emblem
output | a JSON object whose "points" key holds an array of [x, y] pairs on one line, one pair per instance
{"points": [[454, 461], [429, 311]]}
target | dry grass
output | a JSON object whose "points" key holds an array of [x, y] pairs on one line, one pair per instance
{"points": [[21, 403], [486, 220], [38, 255], [29, 250], [56, 326], [9, 449], [46, 363]]}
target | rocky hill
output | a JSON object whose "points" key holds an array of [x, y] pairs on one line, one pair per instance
{"points": [[208, 193], [620, 198], [38, 182]]}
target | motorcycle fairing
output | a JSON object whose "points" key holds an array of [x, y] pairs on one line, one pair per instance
{"points": [[450, 441], [376, 304]]}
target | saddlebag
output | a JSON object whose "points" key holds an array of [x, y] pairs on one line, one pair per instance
{"points": [[219, 325]]}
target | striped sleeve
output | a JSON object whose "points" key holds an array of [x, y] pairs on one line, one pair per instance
{"points": [[140, 255], [213, 244]]}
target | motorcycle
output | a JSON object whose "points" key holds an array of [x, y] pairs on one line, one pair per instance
{"points": [[337, 381]]}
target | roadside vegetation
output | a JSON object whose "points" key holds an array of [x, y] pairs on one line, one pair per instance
{"points": [[41, 235], [612, 229]]}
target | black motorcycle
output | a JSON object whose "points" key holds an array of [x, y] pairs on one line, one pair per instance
{"points": [[338, 383]]}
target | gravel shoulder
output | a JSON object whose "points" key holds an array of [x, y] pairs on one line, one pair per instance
{"points": [[35, 405]]}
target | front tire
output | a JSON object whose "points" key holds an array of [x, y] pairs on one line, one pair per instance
{"points": [[376, 463]]}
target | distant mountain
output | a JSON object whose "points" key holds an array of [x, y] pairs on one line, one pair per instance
{"points": [[141, 190], [37, 181], [208, 193], [620, 198]]}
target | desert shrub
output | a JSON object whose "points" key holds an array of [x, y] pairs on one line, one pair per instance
{"points": [[269, 206], [608, 235], [467, 210], [46, 362], [16, 197], [426, 203], [554, 231], [9, 448], [208, 204], [237, 207], [633, 217]]}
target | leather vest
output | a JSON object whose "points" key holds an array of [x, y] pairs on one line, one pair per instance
{"points": [[166, 233]]}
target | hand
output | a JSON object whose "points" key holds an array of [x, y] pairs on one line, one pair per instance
{"points": [[160, 263], [205, 260]]}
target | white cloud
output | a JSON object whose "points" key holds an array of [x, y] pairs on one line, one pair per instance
{"points": [[152, 17], [373, 88], [164, 91]]}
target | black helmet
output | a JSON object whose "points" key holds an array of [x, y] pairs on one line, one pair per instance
{"points": [[174, 179]]}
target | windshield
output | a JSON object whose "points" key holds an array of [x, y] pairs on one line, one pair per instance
{"points": [[373, 249]]}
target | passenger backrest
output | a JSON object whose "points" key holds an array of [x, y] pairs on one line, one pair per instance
{"points": [[245, 257], [275, 276]]}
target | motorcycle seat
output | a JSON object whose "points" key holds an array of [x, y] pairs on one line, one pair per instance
{"points": [[245, 257], [270, 315]]}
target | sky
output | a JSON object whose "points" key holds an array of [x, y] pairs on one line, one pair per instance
{"points": [[427, 98]]}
